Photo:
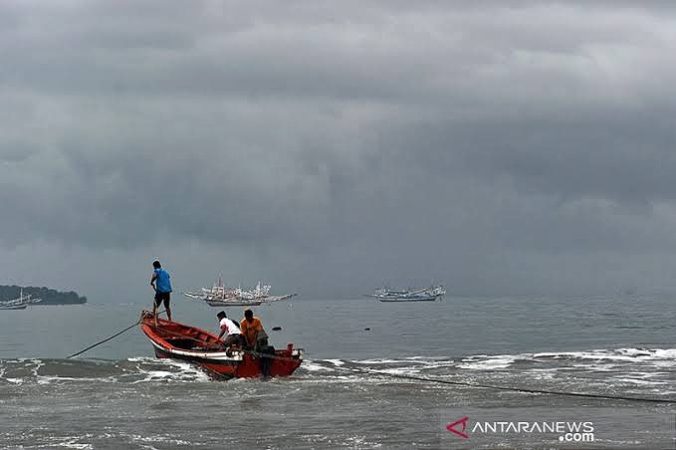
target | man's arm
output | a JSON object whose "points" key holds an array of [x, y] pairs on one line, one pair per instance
{"points": [[223, 330], [258, 328], [152, 281]]}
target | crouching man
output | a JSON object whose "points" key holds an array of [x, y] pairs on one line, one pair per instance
{"points": [[233, 335]]}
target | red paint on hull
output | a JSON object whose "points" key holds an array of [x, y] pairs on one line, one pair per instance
{"points": [[191, 344]]}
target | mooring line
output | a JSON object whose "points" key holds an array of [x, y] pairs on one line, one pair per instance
{"points": [[109, 338]]}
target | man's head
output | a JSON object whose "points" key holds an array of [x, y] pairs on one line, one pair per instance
{"points": [[156, 264], [221, 315], [248, 315]]}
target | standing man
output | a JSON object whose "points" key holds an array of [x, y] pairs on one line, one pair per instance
{"points": [[161, 283]]}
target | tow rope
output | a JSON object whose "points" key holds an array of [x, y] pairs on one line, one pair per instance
{"points": [[108, 338]]}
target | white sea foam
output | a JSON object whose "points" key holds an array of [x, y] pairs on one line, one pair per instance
{"points": [[601, 359], [362, 442], [141, 359], [398, 371], [484, 362], [378, 361], [414, 363], [73, 444], [163, 439], [336, 362], [175, 371], [311, 366], [620, 354], [638, 381]]}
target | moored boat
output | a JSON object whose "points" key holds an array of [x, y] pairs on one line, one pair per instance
{"points": [[421, 295], [19, 303], [221, 296], [187, 343], [7, 305], [425, 298]]}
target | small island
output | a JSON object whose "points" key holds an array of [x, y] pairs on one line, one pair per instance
{"points": [[48, 296]]}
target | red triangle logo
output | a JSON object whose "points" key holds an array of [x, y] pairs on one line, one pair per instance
{"points": [[458, 427]]}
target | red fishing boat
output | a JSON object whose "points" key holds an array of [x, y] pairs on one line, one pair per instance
{"points": [[187, 343]]}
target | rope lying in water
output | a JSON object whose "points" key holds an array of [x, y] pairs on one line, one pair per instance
{"points": [[108, 338], [511, 389]]}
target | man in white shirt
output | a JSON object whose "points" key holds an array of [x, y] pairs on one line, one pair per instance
{"points": [[230, 328]]}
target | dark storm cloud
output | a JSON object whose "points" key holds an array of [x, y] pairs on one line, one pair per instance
{"points": [[487, 145]]}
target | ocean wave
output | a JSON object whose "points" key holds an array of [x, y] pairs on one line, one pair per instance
{"points": [[598, 359], [131, 370], [485, 362], [622, 366]]}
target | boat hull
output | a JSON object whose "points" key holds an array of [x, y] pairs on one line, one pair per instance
{"points": [[226, 303], [181, 342], [13, 307], [237, 301], [420, 295], [404, 299]]}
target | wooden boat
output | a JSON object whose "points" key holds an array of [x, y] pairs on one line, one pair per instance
{"points": [[431, 294], [13, 306], [220, 296], [19, 303], [412, 299], [187, 343]]}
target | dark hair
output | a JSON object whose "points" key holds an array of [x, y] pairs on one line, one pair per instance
{"points": [[221, 315], [248, 314], [156, 264]]}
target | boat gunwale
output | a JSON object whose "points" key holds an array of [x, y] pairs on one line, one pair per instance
{"points": [[165, 345]]}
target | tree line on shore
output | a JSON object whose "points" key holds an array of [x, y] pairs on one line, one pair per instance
{"points": [[48, 296]]}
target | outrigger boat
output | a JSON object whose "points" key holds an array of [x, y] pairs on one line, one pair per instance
{"points": [[219, 295], [187, 343], [19, 303], [8, 305], [421, 295]]}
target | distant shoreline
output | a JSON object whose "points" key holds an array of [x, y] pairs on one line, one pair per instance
{"points": [[48, 296]]}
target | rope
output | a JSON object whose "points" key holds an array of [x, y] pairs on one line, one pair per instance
{"points": [[511, 389], [108, 338]]}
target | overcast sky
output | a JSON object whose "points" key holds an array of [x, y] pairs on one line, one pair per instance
{"points": [[503, 148]]}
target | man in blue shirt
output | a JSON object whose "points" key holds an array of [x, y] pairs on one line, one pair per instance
{"points": [[161, 283]]}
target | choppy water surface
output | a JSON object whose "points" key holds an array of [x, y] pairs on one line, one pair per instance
{"points": [[347, 393]]}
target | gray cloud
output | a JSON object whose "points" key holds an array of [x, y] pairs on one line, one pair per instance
{"points": [[500, 148]]}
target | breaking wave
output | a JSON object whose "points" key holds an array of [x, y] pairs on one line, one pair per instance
{"points": [[627, 369], [623, 370], [131, 370]]}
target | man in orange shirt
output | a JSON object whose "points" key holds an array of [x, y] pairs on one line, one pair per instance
{"points": [[253, 332]]}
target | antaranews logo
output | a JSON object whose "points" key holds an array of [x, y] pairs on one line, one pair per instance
{"points": [[573, 431], [460, 423]]}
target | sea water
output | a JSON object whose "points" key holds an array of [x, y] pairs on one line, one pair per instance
{"points": [[374, 375]]}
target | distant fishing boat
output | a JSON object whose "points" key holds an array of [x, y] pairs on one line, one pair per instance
{"points": [[19, 303], [420, 295], [8, 305], [219, 295]]}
